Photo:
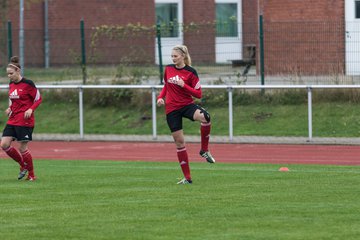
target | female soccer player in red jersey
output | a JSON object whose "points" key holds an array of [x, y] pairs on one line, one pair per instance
{"points": [[24, 98], [181, 84]]}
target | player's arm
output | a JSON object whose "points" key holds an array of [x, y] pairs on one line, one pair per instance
{"points": [[34, 92], [8, 111], [194, 91], [160, 99]]}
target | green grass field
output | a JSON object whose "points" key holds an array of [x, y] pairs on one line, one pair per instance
{"points": [[140, 200]]}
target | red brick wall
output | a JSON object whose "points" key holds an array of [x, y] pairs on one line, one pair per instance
{"points": [[96, 13], [201, 41], [33, 24], [303, 36], [67, 13], [250, 22], [302, 10], [64, 26], [250, 27]]}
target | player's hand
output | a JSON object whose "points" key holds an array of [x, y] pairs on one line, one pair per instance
{"points": [[28, 113], [8, 111], [180, 83], [160, 102]]}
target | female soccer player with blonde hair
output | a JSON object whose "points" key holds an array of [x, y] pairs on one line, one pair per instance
{"points": [[181, 84]]}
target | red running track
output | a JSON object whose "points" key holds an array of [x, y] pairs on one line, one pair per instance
{"points": [[225, 153]]}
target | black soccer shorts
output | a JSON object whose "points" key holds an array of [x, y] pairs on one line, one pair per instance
{"points": [[19, 133], [174, 118]]}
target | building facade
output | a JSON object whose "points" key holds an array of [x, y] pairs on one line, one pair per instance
{"points": [[196, 21], [305, 37]]}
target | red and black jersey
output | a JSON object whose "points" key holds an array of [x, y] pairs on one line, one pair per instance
{"points": [[175, 96], [23, 95]]}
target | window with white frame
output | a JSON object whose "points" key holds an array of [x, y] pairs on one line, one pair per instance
{"points": [[226, 18], [167, 16], [357, 9]]}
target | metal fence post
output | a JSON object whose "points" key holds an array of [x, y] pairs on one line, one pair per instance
{"points": [[309, 90], [158, 35], [9, 40], [21, 37], [46, 35], [231, 130], [153, 103], [81, 112], [261, 42], [83, 50]]}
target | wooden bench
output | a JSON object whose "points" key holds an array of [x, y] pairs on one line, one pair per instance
{"points": [[242, 62], [249, 57]]}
